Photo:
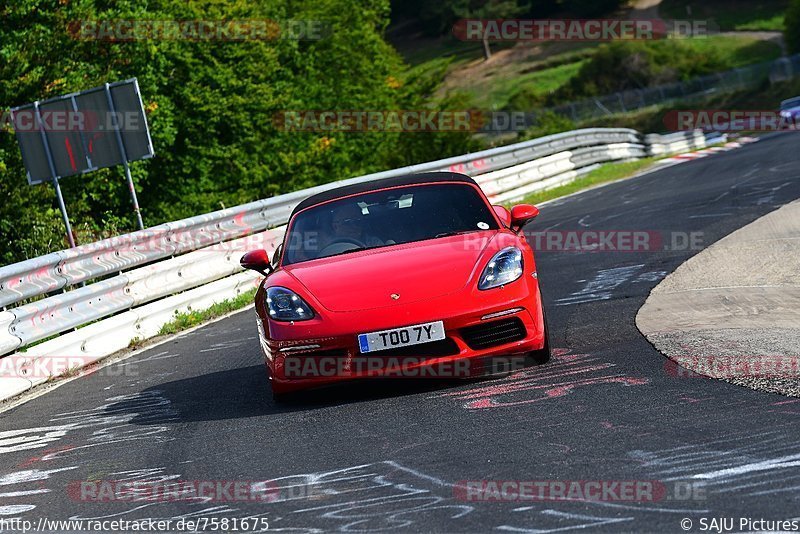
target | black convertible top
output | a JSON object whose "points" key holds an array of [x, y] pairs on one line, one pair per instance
{"points": [[364, 187]]}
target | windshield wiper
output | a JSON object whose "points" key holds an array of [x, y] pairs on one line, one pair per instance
{"points": [[348, 251], [448, 234]]}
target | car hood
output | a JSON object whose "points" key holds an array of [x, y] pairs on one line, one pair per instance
{"points": [[413, 272]]}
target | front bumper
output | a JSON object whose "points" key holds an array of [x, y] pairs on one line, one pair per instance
{"points": [[486, 332]]}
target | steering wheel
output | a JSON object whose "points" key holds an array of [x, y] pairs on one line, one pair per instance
{"points": [[341, 244]]}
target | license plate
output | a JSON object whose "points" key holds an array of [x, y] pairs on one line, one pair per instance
{"points": [[401, 337]]}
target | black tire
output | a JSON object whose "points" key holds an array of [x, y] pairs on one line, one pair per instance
{"points": [[541, 356]]}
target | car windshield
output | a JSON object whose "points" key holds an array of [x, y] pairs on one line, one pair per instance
{"points": [[384, 218]]}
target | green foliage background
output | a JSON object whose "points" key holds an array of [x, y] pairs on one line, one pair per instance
{"points": [[210, 107], [623, 65], [437, 17], [791, 32]]}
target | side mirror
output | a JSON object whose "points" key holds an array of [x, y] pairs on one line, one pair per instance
{"points": [[504, 214], [257, 260], [521, 214]]}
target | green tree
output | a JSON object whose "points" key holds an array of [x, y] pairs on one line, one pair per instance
{"points": [[623, 65], [791, 32], [489, 10]]}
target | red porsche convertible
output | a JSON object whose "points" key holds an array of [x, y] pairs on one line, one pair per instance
{"points": [[414, 276]]}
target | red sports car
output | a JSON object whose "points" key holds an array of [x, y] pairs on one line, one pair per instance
{"points": [[415, 276]]}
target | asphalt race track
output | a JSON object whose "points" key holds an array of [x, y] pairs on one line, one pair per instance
{"points": [[389, 456]]}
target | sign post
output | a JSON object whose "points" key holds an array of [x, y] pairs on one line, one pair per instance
{"points": [[131, 188], [59, 196], [82, 132]]}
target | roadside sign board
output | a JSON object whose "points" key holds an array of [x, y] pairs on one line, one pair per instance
{"points": [[83, 131]]}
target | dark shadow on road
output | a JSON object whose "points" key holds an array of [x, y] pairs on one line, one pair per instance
{"points": [[245, 392]]}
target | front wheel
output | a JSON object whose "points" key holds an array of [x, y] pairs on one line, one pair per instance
{"points": [[541, 356]]}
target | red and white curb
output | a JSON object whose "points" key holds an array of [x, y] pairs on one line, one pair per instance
{"points": [[688, 156]]}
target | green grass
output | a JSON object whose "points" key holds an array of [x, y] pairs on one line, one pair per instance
{"points": [[737, 15], [605, 173], [182, 321], [738, 51], [423, 50], [497, 92]]}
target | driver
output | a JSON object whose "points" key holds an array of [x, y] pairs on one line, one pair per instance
{"points": [[348, 223]]}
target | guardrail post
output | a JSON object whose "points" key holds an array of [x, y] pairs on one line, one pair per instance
{"points": [[51, 164]]}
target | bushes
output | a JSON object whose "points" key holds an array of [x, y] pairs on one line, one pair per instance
{"points": [[624, 65], [547, 123], [791, 32]]}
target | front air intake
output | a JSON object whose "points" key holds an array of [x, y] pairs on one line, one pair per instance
{"points": [[492, 334]]}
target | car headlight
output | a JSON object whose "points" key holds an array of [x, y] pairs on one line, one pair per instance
{"points": [[286, 305], [504, 268]]}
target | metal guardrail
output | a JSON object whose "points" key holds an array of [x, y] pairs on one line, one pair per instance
{"points": [[189, 264], [664, 144], [658, 145]]}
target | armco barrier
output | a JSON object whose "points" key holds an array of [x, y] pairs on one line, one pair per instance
{"points": [[545, 183], [44, 318], [658, 145], [498, 182], [190, 264]]}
